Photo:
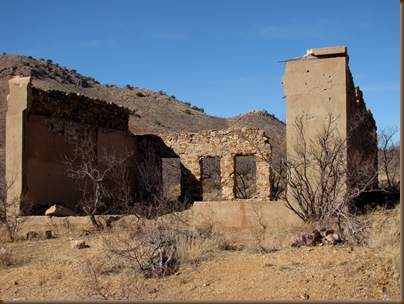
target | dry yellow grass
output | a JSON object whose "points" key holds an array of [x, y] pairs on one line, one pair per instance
{"points": [[51, 269]]}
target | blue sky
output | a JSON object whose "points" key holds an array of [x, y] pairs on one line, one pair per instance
{"points": [[221, 55]]}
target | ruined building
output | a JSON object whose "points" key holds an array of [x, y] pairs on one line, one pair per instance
{"points": [[44, 129], [320, 96]]}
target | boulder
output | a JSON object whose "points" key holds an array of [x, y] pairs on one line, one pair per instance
{"points": [[57, 210]]}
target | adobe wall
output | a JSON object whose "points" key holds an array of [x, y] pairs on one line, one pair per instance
{"points": [[42, 131], [318, 86], [19, 103], [225, 144]]}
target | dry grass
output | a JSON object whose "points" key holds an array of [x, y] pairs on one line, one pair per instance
{"points": [[51, 269], [385, 235]]}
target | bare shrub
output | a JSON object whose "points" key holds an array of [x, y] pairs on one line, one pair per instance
{"points": [[105, 181], [154, 197], [211, 178], [278, 172], [260, 232], [320, 187], [151, 199], [245, 176], [128, 285], [389, 165], [147, 248], [159, 247], [10, 208], [199, 244], [5, 258]]}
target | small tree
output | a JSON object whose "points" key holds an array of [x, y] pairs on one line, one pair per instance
{"points": [[10, 207], [278, 176], [151, 198], [105, 181], [320, 186], [389, 160]]}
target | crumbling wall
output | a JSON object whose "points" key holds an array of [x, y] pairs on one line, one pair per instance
{"points": [[157, 163], [44, 128], [225, 144], [361, 137]]}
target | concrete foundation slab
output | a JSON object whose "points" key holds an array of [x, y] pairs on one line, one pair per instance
{"points": [[242, 214]]}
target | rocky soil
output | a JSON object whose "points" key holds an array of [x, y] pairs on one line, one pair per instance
{"points": [[51, 269]]}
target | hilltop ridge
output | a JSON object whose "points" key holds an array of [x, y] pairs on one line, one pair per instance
{"points": [[152, 112]]}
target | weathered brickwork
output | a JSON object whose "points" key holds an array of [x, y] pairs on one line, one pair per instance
{"points": [[225, 144]]}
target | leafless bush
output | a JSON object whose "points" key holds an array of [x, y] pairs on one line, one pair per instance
{"points": [[154, 197], [158, 248], [211, 178], [105, 181], [389, 160], [321, 189], [278, 176], [100, 286], [245, 173], [5, 258], [10, 208]]}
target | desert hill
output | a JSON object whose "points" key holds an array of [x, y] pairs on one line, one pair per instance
{"points": [[152, 112]]}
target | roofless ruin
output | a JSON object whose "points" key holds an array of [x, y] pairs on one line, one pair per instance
{"points": [[44, 128]]}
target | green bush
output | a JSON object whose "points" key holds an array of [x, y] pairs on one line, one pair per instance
{"points": [[198, 109]]}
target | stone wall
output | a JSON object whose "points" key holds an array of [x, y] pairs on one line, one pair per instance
{"points": [[79, 109], [361, 137], [225, 144]]}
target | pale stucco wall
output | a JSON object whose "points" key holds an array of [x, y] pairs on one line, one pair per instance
{"points": [[319, 87], [42, 131], [18, 102]]}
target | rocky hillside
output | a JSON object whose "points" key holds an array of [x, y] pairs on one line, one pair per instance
{"points": [[152, 112]]}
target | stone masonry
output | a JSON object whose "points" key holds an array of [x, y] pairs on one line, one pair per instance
{"points": [[225, 144]]}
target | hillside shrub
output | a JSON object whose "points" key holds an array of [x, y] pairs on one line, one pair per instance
{"points": [[198, 109]]}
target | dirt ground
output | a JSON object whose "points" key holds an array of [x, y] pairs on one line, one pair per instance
{"points": [[50, 269]]}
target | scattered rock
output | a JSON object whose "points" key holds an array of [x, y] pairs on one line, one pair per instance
{"points": [[152, 290], [305, 296], [324, 236], [79, 244], [349, 249], [32, 235], [57, 210]]}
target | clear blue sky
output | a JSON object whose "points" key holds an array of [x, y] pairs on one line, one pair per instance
{"points": [[221, 55]]}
